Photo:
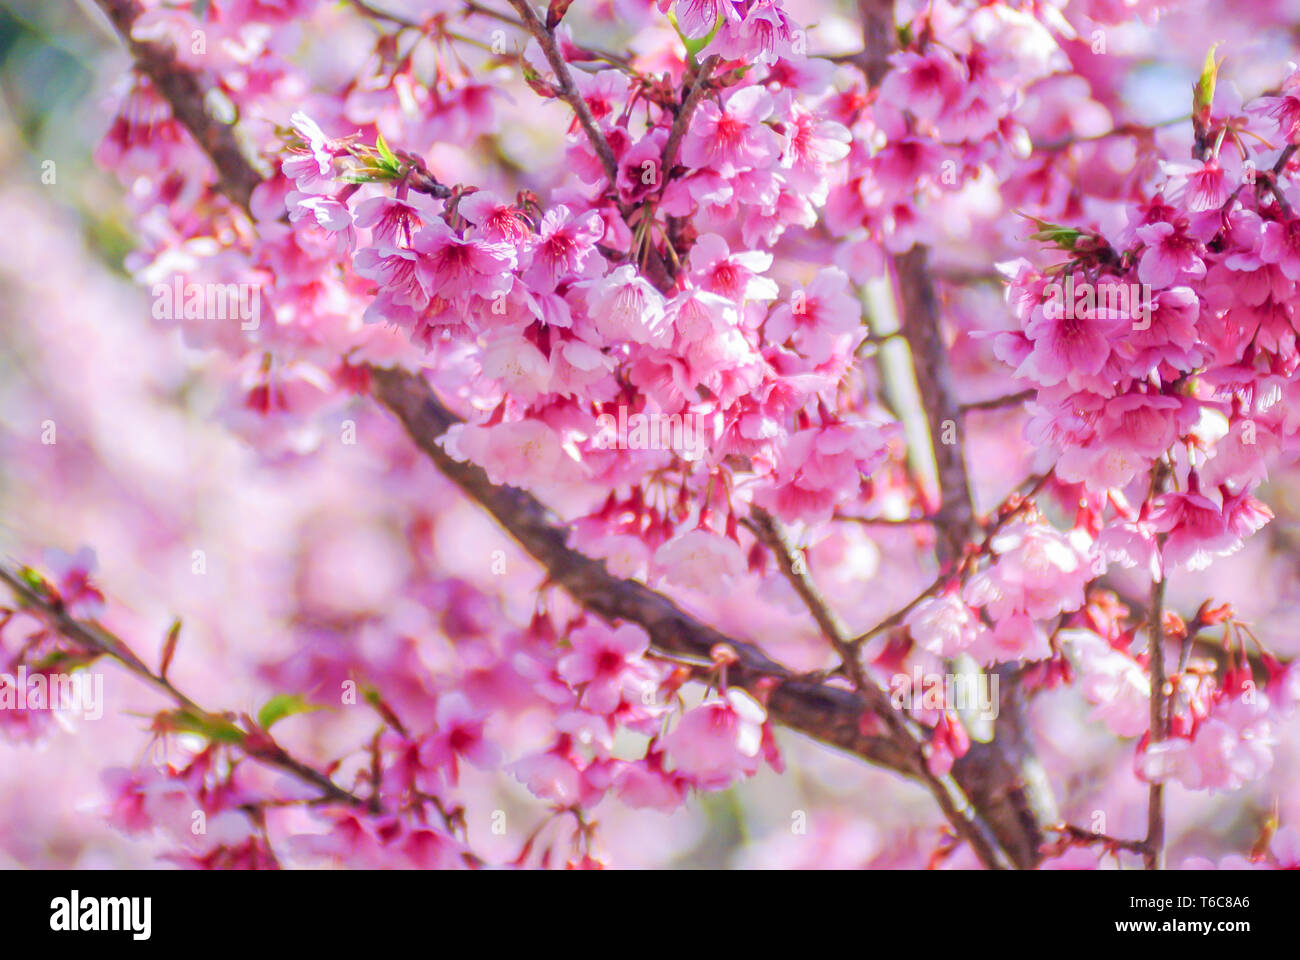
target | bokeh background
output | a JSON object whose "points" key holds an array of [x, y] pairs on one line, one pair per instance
{"points": [[145, 471]]}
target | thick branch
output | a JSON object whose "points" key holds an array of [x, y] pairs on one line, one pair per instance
{"points": [[828, 714], [996, 788], [824, 713], [878, 38], [920, 318]]}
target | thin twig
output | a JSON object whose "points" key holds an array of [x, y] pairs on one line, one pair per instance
{"points": [[994, 403], [1284, 158], [1004, 516], [95, 639], [683, 119], [568, 91], [1123, 130], [955, 805], [1154, 850], [1076, 836], [374, 13], [886, 521]]}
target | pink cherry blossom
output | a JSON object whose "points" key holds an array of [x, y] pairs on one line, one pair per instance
{"points": [[609, 666], [702, 559], [732, 136], [718, 741], [458, 734], [986, 340], [1170, 256], [624, 306], [945, 626], [452, 267]]}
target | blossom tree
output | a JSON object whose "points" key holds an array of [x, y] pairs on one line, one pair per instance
{"points": [[819, 366]]}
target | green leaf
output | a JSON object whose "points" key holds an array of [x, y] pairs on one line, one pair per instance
{"points": [[1203, 92], [369, 175], [388, 157], [280, 706], [64, 661], [1054, 233], [216, 729], [1064, 237], [33, 579]]}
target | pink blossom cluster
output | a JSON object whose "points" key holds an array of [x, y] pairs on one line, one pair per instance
{"points": [[694, 229]]}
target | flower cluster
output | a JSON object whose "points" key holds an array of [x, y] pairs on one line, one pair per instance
{"points": [[708, 232]]}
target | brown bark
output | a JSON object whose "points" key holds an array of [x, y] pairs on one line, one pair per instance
{"points": [[828, 714]]}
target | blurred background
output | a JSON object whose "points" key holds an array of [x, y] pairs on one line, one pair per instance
{"points": [[143, 471]]}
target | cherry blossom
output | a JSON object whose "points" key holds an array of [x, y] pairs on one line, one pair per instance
{"points": [[945, 354]]}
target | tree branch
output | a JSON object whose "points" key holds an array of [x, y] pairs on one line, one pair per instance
{"points": [[1153, 856], [95, 639], [1074, 836], [683, 119], [185, 90], [878, 38], [994, 403], [920, 319], [947, 794], [568, 92], [828, 714]]}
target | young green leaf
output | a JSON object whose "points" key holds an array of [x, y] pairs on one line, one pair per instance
{"points": [[1203, 92], [216, 729], [280, 706], [389, 158]]}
